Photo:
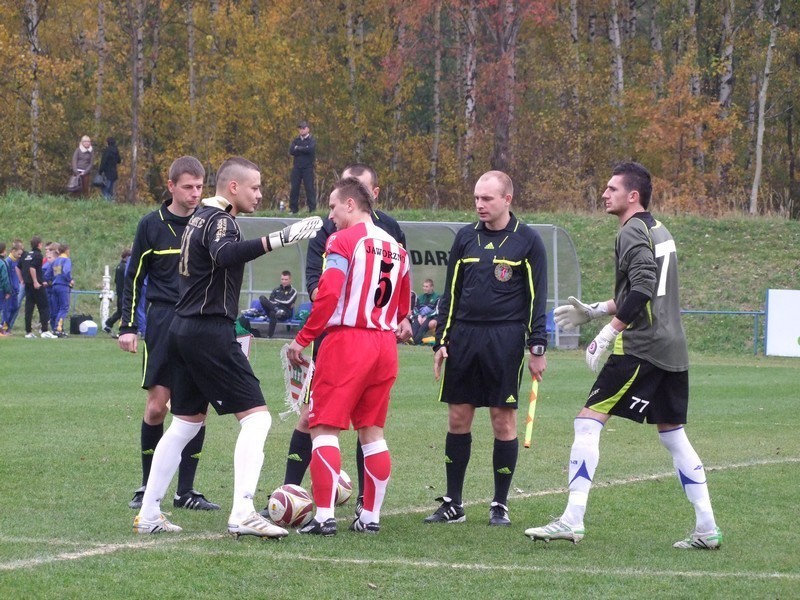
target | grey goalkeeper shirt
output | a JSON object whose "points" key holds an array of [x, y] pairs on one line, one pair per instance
{"points": [[647, 262]]}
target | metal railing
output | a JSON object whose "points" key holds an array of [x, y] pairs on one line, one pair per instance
{"points": [[756, 314]]}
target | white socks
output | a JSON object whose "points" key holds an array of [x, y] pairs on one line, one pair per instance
{"points": [[692, 476], [583, 459], [166, 459], [248, 458]]}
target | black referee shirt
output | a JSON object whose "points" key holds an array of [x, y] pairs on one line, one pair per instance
{"points": [[496, 276], [211, 269], [154, 256]]}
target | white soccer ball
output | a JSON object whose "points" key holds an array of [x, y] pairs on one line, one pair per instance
{"points": [[344, 489], [88, 328], [290, 506]]}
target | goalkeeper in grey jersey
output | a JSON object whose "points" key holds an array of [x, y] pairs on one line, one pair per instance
{"points": [[646, 374]]}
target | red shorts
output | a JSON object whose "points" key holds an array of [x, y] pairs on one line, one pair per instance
{"points": [[353, 376]]}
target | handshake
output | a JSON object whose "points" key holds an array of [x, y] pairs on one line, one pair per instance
{"points": [[304, 229]]}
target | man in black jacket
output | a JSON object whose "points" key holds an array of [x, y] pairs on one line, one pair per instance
{"points": [[108, 167], [303, 148], [35, 292]]}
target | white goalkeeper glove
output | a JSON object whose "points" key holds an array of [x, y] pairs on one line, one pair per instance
{"points": [[570, 316], [599, 345], [291, 234]]}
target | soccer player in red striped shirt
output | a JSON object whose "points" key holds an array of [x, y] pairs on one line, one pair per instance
{"points": [[364, 292]]}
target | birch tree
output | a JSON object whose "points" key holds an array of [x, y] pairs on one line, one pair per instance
{"points": [[466, 18], [437, 103], [762, 107], [503, 27], [725, 97], [102, 53], [136, 11], [34, 14], [617, 66]]}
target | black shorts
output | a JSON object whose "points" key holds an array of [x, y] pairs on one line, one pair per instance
{"points": [[636, 389], [484, 365], [155, 361], [209, 367]]}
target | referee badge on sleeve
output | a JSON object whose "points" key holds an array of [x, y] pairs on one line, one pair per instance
{"points": [[502, 272]]}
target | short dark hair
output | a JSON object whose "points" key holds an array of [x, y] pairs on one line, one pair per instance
{"points": [[2, 247], [36, 241], [635, 177], [357, 169], [232, 167], [111, 141], [287, 273], [350, 187], [188, 165]]}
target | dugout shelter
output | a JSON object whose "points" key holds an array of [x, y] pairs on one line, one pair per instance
{"points": [[429, 246]]}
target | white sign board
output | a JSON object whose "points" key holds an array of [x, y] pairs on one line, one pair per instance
{"points": [[783, 323]]}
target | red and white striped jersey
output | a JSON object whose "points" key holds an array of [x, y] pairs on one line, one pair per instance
{"points": [[365, 283]]}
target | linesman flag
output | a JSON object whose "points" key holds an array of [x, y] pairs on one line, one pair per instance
{"points": [[531, 413]]}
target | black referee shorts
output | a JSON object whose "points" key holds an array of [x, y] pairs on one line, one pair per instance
{"points": [[484, 365], [155, 361], [636, 389], [209, 367]]}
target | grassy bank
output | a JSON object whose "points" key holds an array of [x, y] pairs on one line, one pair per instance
{"points": [[725, 264]]}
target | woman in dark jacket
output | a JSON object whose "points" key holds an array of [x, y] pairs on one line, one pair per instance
{"points": [[108, 167]]}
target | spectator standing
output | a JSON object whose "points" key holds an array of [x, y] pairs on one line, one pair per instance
{"points": [[6, 290], [280, 304], [11, 309], [82, 164], [119, 290], [35, 292], [492, 310], [62, 286], [50, 255], [108, 167], [303, 149]]}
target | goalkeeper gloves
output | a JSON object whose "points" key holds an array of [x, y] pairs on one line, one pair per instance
{"points": [[291, 234], [599, 345], [570, 316]]}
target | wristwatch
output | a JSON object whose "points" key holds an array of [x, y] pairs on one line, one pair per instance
{"points": [[538, 350]]}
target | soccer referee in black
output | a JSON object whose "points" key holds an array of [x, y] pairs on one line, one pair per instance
{"points": [[493, 310]]}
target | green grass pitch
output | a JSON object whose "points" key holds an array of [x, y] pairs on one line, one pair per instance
{"points": [[70, 412]]}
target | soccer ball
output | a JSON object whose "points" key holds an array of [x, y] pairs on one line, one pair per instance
{"points": [[88, 328], [290, 506], [344, 489]]}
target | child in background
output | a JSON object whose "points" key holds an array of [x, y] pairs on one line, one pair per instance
{"points": [[61, 287]]}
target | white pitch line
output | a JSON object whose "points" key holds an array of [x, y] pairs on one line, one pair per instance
{"points": [[602, 484], [557, 570], [99, 549]]}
